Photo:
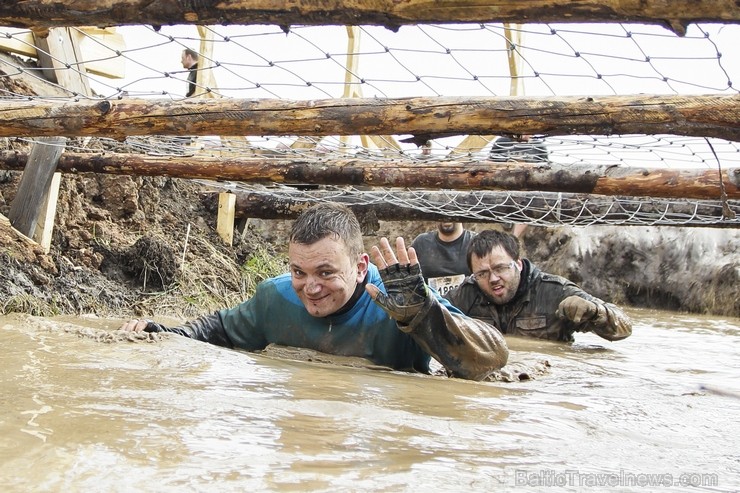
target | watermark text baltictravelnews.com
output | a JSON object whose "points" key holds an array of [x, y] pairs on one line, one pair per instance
{"points": [[574, 477]]}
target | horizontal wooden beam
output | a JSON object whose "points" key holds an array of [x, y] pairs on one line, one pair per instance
{"points": [[389, 13], [423, 117], [454, 175], [489, 207]]}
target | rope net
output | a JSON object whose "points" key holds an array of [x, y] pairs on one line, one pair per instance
{"points": [[304, 63]]}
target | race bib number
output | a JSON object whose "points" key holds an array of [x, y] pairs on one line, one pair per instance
{"points": [[445, 284]]}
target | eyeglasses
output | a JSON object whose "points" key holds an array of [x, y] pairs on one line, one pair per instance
{"points": [[500, 270]]}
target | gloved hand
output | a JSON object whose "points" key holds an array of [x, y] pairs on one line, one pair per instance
{"points": [[405, 291], [577, 309]]}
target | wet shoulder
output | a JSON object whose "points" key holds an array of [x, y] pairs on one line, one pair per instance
{"points": [[554, 279]]}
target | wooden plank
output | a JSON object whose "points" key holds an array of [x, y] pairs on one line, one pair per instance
{"points": [[25, 78], [226, 211], [45, 225], [60, 56], [62, 48], [98, 47], [20, 43], [205, 79], [99, 51], [36, 180]]}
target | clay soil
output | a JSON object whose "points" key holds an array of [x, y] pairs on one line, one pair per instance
{"points": [[138, 246], [126, 246]]}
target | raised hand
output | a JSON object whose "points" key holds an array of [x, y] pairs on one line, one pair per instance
{"points": [[405, 291]]}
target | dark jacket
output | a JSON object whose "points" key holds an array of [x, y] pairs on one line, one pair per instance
{"points": [[532, 310], [192, 79]]}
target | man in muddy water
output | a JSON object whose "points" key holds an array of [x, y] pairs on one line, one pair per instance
{"points": [[515, 296], [334, 300]]}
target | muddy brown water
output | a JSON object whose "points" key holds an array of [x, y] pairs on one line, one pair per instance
{"points": [[85, 410]]}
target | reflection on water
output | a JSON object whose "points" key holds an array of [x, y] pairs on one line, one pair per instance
{"points": [[170, 414]]}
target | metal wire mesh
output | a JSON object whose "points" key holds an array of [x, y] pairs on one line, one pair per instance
{"points": [[306, 63]]}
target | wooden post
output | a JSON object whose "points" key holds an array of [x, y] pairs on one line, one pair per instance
{"points": [[32, 211], [36, 180], [61, 60], [226, 211], [352, 89], [44, 229], [513, 37], [205, 79]]}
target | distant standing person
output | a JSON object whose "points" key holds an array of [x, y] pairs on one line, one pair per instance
{"points": [[516, 297], [442, 255], [528, 149], [190, 62]]}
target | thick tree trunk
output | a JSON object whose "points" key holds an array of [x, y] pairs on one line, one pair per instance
{"points": [[390, 13], [425, 118], [494, 207], [455, 175]]}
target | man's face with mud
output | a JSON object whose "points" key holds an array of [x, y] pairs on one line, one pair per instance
{"points": [[324, 275]]}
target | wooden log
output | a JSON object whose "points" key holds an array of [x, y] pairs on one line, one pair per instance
{"points": [[455, 175], [425, 118], [389, 13], [490, 207]]}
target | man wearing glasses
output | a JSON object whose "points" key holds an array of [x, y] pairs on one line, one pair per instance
{"points": [[515, 296]]}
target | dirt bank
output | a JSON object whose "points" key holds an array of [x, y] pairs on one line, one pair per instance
{"points": [[143, 246]]}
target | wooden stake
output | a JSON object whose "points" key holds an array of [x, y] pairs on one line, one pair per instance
{"points": [[45, 224], [226, 210]]}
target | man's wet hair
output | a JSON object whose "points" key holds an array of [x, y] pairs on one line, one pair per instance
{"points": [[328, 219], [485, 241]]}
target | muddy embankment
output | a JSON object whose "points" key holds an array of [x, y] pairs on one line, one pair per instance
{"points": [[126, 245]]}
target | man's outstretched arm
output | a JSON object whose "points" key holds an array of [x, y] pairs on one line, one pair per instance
{"points": [[207, 328], [467, 348]]}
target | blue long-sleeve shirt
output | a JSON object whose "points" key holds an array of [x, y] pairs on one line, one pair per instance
{"points": [[466, 347]]}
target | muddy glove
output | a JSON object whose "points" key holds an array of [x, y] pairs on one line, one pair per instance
{"points": [[577, 309], [405, 292], [152, 326]]}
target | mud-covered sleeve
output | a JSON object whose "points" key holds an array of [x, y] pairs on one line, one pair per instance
{"points": [[207, 328], [609, 323], [466, 347]]}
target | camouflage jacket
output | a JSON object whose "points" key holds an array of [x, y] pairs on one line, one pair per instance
{"points": [[532, 311]]}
